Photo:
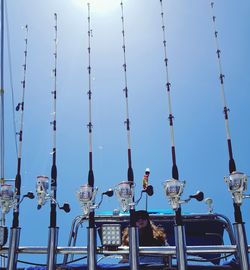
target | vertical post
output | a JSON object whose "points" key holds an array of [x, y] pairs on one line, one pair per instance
{"points": [[52, 245], [13, 246], [180, 241], [91, 259], [242, 247]]}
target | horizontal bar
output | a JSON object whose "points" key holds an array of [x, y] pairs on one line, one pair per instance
{"points": [[166, 250]]}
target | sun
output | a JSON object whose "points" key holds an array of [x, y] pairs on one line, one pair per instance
{"points": [[99, 6]]}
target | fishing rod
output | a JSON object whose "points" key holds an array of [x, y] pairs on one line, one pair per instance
{"points": [[15, 229], [2, 115], [2, 92], [174, 187], [42, 184], [53, 229], [91, 259], [130, 173], [133, 233], [237, 181], [87, 193], [43, 181], [174, 182]]}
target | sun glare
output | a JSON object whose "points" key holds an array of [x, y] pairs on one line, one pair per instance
{"points": [[100, 6]]}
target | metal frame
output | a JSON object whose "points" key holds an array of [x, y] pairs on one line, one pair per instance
{"points": [[168, 251]]}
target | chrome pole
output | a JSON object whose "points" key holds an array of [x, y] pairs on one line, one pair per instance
{"points": [[91, 261], [133, 248], [242, 247], [13, 248], [180, 243], [52, 244]]}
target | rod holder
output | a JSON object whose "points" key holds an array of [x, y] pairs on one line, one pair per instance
{"points": [[91, 259], [13, 247], [133, 248], [52, 246], [180, 242], [241, 243]]}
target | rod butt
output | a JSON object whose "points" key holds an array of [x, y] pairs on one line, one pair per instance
{"points": [[52, 246], [133, 248], [180, 243], [242, 248], [91, 260], [13, 246]]}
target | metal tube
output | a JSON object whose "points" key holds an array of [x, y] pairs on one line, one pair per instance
{"points": [[241, 244], [180, 243], [13, 250], [52, 246], [133, 248], [166, 250], [91, 260], [72, 235]]}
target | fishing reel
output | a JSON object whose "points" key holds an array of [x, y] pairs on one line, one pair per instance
{"points": [[174, 188], [237, 185], [43, 195], [86, 196], [8, 198], [42, 186], [124, 192]]}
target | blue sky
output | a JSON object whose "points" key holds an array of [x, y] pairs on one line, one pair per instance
{"points": [[200, 138]]}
